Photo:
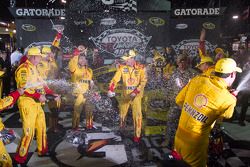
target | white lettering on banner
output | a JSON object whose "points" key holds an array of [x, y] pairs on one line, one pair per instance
{"points": [[120, 41], [108, 2], [40, 12], [191, 46], [197, 12]]}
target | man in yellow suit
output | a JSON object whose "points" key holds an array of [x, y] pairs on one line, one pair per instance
{"points": [[81, 76], [134, 79], [29, 105], [203, 100], [5, 159], [48, 70]]}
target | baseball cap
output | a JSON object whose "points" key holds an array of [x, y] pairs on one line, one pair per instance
{"points": [[227, 65], [132, 53], [34, 51], [205, 59]]}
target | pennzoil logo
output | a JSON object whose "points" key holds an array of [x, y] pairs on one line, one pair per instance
{"points": [[208, 25], [156, 21], [28, 27]]}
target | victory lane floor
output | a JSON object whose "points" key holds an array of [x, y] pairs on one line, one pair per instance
{"points": [[119, 152]]}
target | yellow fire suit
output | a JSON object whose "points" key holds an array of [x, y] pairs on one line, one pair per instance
{"points": [[30, 109], [43, 68], [81, 77], [134, 80], [5, 159], [203, 100]]}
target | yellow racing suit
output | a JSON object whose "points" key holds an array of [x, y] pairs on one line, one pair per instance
{"points": [[81, 77], [5, 159], [134, 80], [43, 68], [203, 100], [30, 109]]}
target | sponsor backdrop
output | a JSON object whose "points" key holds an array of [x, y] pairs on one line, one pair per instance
{"points": [[34, 30], [185, 33], [115, 33]]}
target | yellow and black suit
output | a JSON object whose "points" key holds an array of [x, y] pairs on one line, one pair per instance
{"points": [[5, 159], [204, 99], [134, 80], [81, 77], [30, 109]]}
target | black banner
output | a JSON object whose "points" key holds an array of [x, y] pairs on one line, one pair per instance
{"points": [[185, 34], [102, 5]]}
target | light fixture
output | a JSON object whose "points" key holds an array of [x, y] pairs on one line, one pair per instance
{"points": [[0, 38], [81, 30], [62, 18], [6, 29], [3, 23], [235, 17], [63, 1], [14, 31], [13, 22]]}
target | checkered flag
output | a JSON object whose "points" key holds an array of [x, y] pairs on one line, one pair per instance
{"points": [[127, 6]]}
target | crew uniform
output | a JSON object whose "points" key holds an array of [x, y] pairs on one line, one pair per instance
{"points": [[5, 159], [203, 100], [30, 109], [48, 70], [134, 80], [81, 77]]}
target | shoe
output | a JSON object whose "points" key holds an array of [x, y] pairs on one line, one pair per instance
{"points": [[137, 139], [242, 123]]}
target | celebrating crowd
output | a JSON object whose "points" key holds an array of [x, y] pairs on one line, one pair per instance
{"points": [[197, 95]]}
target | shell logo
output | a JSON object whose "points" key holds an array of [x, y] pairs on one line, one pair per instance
{"points": [[200, 100]]}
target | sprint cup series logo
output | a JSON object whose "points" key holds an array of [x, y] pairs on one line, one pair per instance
{"points": [[191, 46], [119, 41]]}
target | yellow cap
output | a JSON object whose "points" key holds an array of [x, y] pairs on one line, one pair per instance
{"points": [[46, 50], [132, 53], [226, 66], [219, 50], [205, 59], [34, 51], [1, 73]]}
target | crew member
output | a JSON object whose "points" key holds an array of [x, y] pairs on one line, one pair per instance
{"points": [[5, 159], [29, 104], [134, 79], [203, 100], [81, 76]]}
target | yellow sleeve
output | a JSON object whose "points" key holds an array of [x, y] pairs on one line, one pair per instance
{"points": [[21, 77], [6, 102], [229, 111], [115, 79], [73, 64], [143, 80], [180, 98]]}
